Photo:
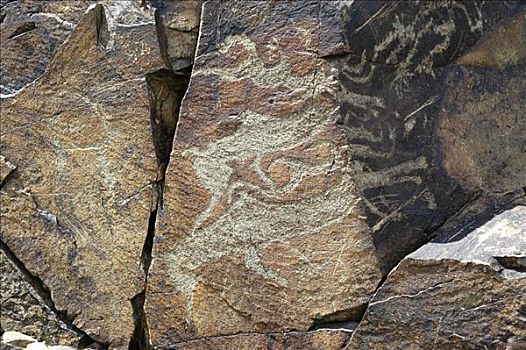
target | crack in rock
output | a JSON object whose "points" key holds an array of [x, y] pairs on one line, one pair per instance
{"points": [[166, 89], [6, 169], [23, 28], [516, 263], [43, 291]]}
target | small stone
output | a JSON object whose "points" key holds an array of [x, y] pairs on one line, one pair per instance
{"points": [[17, 339], [37, 346], [6, 168]]}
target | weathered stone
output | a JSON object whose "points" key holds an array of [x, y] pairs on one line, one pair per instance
{"points": [[30, 32], [12, 340], [15, 338], [318, 340], [259, 183], [6, 168], [308, 159], [465, 294], [177, 28], [483, 126], [24, 311], [482, 123], [77, 210], [506, 45], [400, 92], [319, 143]]}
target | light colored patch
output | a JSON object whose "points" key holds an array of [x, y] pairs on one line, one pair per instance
{"points": [[319, 191], [504, 235], [253, 68]]}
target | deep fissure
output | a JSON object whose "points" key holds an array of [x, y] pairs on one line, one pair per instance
{"points": [[45, 295], [166, 89], [516, 263], [139, 339], [101, 26], [345, 319]]}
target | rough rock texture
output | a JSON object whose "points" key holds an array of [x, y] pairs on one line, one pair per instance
{"points": [[77, 210], [12, 340], [23, 309], [318, 144], [313, 152], [465, 294], [6, 168], [404, 99], [262, 228], [30, 32], [318, 340]]}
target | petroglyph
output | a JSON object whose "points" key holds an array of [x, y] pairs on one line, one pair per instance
{"points": [[391, 90], [248, 209], [304, 168]]}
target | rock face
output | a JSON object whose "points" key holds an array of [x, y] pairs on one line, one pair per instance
{"points": [[404, 99], [259, 181], [317, 340], [465, 294], [78, 207], [312, 154], [318, 143], [23, 309], [31, 31]]}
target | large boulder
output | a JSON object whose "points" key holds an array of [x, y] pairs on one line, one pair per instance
{"points": [[463, 294], [77, 209], [315, 149]]}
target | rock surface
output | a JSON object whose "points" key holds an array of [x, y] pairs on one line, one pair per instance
{"points": [[318, 340], [30, 32], [318, 144], [262, 228], [404, 109], [312, 154], [465, 294], [77, 209], [23, 309]]}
